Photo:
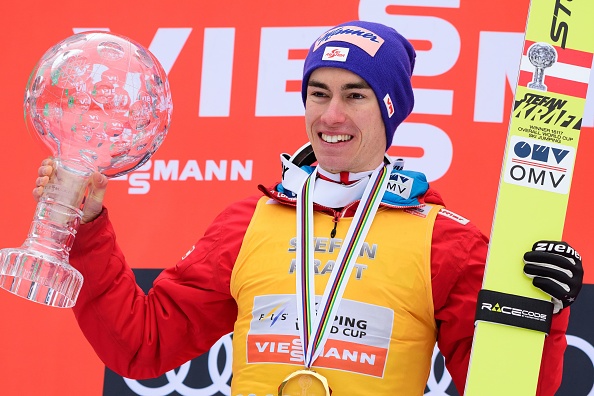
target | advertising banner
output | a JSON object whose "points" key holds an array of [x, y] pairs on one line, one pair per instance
{"points": [[234, 68]]}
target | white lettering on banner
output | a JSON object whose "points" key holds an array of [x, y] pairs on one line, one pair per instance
{"points": [[166, 45], [139, 180], [585, 347], [433, 101], [436, 144], [217, 72], [444, 37], [275, 69], [220, 377], [419, 3], [497, 68], [176, 380], [81, 30], [443, 55], [437, 387]]}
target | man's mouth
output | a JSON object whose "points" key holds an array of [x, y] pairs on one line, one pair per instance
{"points": [[335, 138]]}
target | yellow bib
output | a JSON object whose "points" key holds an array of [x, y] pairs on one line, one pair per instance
{"points": [[383, 336]]}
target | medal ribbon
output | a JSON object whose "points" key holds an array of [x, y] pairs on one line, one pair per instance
{"points": [[315, 327]]}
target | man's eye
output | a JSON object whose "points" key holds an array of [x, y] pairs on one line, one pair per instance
{"points": [[318, 94], [356, 95]]}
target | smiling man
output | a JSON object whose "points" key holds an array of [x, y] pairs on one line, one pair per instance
{"points": [[343, 276], [343, 121]]}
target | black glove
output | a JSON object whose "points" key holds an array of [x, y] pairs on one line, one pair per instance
{"points": [[555, 268]]}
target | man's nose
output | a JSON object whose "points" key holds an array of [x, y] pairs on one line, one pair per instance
{"points": [[335, 111]]}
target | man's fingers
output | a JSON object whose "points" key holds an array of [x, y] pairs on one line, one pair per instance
{"points": [[47, 167], [94, 200], [44, 173], [93, 204], [41, 181], [97, 187], [37, 192]]}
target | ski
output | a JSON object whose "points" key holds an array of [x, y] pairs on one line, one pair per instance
{"points": [[512, 315]]}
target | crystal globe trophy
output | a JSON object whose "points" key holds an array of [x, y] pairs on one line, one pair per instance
{"points": [[542, 56], [100, 102]]}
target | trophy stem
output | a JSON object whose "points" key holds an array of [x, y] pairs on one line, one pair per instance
{"points": [[538, 80], [39, 270]]}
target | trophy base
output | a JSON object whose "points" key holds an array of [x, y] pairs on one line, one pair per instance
{"points": [[537, 86], [39, 277]]}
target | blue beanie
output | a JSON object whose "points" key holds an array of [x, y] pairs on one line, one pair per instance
{"points": [[378, 54]]}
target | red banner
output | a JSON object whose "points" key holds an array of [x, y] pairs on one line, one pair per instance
{"points": [[234, 68]]}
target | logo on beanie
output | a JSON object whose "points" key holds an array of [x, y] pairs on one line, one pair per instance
{"points": [[335, 54], [389, 105], [362, 38]]}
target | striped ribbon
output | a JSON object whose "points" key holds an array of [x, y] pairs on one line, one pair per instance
{"points": [[315, 326]]}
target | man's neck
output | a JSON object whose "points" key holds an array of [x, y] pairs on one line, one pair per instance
{"points": [[343, 177]]}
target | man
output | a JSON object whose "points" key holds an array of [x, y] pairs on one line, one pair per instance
{"points": [[343, 275]]}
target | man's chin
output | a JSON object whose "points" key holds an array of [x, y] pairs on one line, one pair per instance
{"points": [[333, 165]]}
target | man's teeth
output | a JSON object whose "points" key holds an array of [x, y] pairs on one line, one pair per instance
{"points": [[335, 138]]}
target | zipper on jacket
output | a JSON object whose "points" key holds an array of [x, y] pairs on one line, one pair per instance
{"points": [[335, 221]]}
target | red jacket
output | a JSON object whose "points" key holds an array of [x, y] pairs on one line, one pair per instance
{"points": [[190, 307]]}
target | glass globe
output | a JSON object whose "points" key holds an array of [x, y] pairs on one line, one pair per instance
{"points": [[99, 99], [100, 102]]}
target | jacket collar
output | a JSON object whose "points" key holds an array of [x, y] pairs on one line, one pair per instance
{"points": [[405, 188]]}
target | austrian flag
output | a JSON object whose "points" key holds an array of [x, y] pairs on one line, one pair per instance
{"points": [[568, 75]]}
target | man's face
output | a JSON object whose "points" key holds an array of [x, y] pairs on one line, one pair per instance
{"points": [[343, 121]]}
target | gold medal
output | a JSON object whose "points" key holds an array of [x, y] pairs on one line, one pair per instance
{"points": [[304, 383]]}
